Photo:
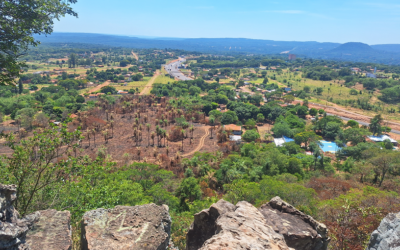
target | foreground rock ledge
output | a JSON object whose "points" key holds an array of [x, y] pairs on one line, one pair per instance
{"points": [[276, 225], [139, 227], [42, 230], [387, 236], [301, 231], [237, 227]]}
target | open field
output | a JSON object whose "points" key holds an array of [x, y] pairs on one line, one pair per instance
{"points": [[164, 79], [132, 85]]}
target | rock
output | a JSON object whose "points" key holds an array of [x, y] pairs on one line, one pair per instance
{"points": [[13, 230], [204, 225], [42, 230], [300, 231], [139, 227], [51, 232], [241, 227], [387, 236]]}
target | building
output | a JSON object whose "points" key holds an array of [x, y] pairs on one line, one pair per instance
{"points": [[381, 138], [280, 141], [370, 75], [236, 130], [292, 57]]}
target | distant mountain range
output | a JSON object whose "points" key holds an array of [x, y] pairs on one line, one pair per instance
{"points": [[385, 53]]}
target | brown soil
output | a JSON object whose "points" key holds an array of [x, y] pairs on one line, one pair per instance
{"points": [[135, 55], [147, 88]]}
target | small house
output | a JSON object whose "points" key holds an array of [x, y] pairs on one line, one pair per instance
{"points": [[236, 130]]}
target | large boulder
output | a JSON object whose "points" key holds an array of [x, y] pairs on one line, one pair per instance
{"points": [[205, 224], [301, 231], [139, 227], [51, 232], [237, 227], [387, 236]]}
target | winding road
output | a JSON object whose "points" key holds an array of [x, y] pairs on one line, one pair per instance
{"points": [[201, 144]]}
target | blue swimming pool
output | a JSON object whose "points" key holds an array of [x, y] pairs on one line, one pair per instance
{"points": [[329, 146]]}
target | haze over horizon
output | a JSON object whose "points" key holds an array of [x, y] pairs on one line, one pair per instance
{"points": [[289, 20]]}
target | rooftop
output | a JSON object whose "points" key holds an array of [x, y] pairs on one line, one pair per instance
{"points": [[233, 127]]}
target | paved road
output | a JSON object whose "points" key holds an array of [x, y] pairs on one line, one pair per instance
{"points": [[363, 123], [173, 70]]}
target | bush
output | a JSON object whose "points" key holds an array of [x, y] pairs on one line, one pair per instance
{"points": [[251, 135]]}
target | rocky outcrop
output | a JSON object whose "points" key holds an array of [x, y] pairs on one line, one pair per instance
{"points": [[48, 229], [301, 231], [139, 227], [276, 225], [52, 231], [12, 229], [237, 227], [204, 225], [387, 236]]}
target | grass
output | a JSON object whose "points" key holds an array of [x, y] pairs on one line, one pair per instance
{"points": [[132, 85], [163, 79]]}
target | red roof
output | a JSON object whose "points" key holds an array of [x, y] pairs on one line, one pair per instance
{"points": [[233, 127]]}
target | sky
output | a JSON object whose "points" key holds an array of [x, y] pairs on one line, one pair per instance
{"points": [[371, 22]]}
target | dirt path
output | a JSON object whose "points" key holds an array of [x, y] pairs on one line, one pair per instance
{"points": [[201, 143], [147, 88], [135, 55], [97, 88]]}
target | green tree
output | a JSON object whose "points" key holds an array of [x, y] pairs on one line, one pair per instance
{"points": [[313, 111], [189, 190], [250, 135], [20, 86], [306, 138], [33, 166], [353, 124], [319, 90], [19, 21], [260, 118], [375, 125], [229, 117], [385, 162], [72, 60]]}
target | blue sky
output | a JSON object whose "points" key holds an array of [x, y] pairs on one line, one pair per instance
{"points": [[372, 22]]}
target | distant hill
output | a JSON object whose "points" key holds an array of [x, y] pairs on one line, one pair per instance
{"points": [[389, 54], [387, 47], [353, 48]]}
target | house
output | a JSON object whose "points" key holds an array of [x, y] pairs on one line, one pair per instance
{"points": [[236, 130], [280, 141], [370, 75], [288, 89], [121, 92], [381, 138]]}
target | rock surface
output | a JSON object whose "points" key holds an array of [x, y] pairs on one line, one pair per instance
{"points": [[51, 232], [139, 227], [237, 227], [301, 231], [13, 230], [387, 236], [204, 225]]}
